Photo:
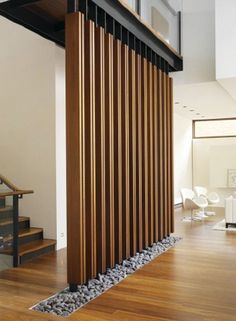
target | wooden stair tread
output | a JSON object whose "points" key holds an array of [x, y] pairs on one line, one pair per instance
{"points": [[35, 246], [30, 231], [26, 232], [6, 208], [7, 221]]}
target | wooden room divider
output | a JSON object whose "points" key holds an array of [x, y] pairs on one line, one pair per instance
{"points": [[119, 148]]}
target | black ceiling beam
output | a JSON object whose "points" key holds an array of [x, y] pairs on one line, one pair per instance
{"points": [[17, 4], [35, 23], [72, 6], [59, 26]]}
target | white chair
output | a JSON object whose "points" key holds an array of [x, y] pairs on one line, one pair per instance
{"points": [[212, 197], [200, 191], [190, 202]]}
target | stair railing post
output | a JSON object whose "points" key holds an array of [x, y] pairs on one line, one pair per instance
{"points": [[15, 230]]}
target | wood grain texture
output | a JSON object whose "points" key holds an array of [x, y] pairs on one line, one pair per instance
{"points": [[133, 155], [125, 114], [90, 150], [140, 221], [165, 160], [168, 133], [156, 153], [118, 150], [75, 143], [109, 136], [161, 159], [150, 168], [145, 151], [172, 154], [100, 147]]}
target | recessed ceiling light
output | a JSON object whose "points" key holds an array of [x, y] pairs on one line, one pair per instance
{"points": [[192, 110], [203, 116], [197, 113], [185, 106], [177, 102]]}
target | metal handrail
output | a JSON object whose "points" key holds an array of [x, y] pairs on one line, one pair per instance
{"points": [[16, 193]]}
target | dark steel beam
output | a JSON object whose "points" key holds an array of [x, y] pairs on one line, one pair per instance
{"points": [[72, 6], [35, 23], [16, 4]]}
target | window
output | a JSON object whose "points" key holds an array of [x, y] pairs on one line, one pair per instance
{"points": [[214, 128], [162, 16]]}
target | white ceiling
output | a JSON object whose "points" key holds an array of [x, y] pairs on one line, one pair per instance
{"points": [[203, 101]]}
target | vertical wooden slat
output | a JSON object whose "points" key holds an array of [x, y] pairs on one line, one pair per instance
{"points": [[125, 148], [76, 247], [161, 161], [117, 151], [139, 152], [156, 153], [109, 136], [145, 148], [100, 148], [90, 164], [168, 156], [133, 152], [172, 154], [150, 143], [165, 198]]}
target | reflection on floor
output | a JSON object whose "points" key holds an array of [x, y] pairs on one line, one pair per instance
{"points": [[5, 262], [194, 281]]}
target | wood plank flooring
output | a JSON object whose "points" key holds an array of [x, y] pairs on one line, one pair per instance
{"points": [[194, 281]]}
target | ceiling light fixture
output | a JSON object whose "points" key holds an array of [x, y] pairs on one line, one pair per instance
{"points": [[177, 102], [192, 110]]}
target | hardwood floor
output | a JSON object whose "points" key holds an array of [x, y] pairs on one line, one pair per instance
{"points": [[194, 281]]}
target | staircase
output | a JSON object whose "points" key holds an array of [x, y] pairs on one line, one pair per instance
{"points": [[17, 237]]}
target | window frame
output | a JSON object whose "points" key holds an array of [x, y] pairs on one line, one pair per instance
{"points": [[214, 119]]}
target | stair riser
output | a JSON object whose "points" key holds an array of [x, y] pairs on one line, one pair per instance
{"points": [[2, 202], [8, 229], [6, 214], [35, 254], [30, 238]]}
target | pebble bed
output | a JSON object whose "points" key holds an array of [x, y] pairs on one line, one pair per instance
{"points": [[66, 302]]}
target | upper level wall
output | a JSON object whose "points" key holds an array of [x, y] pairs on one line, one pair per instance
{"points": [[225, 26], [198, 45]]}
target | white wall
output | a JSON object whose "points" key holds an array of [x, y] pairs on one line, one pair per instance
{"points": [[212, 157], [60, 147], [225, 26], [182, 155], [198, 42], [28, 121], [225, 30]]}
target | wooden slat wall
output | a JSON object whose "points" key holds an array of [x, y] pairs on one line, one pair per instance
{"points": [[119, 150], [109, 137], [90, 161]]}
